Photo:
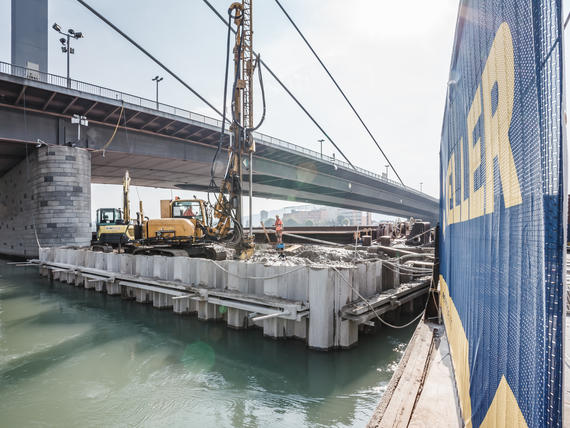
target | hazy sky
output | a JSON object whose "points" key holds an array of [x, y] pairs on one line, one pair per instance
{"points": [[391, 58]]}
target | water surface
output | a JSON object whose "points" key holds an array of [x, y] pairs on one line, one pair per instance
{"points": [[75, 357]]}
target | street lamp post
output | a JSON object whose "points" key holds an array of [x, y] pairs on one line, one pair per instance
{"points": [[157, 80], [80, 121], [66, 48], [321, 141]]}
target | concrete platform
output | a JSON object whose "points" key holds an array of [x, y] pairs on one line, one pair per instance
{"points": [[306, 302]]}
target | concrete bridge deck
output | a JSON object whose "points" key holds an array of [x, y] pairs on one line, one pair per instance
{"points": [[173, 148]]}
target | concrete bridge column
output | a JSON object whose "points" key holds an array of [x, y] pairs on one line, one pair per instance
{"points": [[46, 198]]}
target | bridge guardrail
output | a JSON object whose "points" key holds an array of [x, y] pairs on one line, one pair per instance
{"points": [[61, 81]]}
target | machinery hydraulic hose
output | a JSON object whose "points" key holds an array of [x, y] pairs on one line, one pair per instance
{"points": [[222, 132], [258, 63]]}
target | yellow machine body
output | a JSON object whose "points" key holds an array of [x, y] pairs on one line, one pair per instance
{"points": [[171, 228], [116, 229], [177, 222]]}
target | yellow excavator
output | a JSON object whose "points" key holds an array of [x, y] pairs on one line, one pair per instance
{"points": [[186, 227], [114, 226]]}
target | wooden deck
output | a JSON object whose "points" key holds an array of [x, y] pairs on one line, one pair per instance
{"points": [[422, 390]]}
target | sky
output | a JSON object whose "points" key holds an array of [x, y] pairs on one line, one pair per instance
{"points": [[391, 58]]}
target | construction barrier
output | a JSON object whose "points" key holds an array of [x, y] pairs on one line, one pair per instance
{"points": [[503, 212]]}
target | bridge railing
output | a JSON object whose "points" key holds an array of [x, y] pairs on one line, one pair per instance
{"points": [[61, 81]]}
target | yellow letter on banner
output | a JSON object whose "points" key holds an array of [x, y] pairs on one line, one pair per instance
{"points": [[474, 152], [500, 69]]}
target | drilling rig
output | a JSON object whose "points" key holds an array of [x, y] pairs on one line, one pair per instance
{"points": [[242, 142], [178, 233]]}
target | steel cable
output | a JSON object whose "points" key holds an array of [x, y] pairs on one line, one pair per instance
{"points": [[339, 89], [148, 54]]}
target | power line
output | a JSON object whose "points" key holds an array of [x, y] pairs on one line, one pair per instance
{"points": [[213, 9], [338, 87], [114, 27]]}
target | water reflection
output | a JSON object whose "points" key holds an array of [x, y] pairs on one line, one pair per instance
{"points": [[71, 356]]}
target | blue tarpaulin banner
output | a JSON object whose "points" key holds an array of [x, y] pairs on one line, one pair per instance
{"points": [[503, 212]]}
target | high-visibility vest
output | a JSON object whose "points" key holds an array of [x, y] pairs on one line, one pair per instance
{"points": [[278, 225]]}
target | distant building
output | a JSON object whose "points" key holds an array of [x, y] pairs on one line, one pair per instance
{"points": [[318, 217], [345, 217], [263, 215]]}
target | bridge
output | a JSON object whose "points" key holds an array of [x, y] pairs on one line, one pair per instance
{"points": [[165, 146]]}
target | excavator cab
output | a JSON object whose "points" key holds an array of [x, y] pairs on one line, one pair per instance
{"points": [[108, 217], [191, 209], [112, 228]]}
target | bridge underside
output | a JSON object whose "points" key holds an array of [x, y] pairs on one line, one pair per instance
{"points": [[194, 175]]}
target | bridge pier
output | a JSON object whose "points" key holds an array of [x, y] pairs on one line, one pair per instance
{"points": [[45, 200]]}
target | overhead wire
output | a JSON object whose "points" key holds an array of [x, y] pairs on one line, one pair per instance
{"points": [[339, 89], [299, 104], [148, 54]]}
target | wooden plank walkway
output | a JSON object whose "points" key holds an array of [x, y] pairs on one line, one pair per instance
{"points": [[422, 391]]}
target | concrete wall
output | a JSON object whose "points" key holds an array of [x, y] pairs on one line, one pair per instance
{"points": [[46, 198], [30, 33], [323, 290]]}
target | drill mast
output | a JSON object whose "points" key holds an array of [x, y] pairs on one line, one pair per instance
{"points": [[242, 113]]}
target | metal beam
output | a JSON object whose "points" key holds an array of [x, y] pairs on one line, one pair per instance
{"points": [[90, 108], [132, 117], [21, 94], [69, 105], [111, 114], [166, 126], [148, 123], [193, 134], [52, 96], [181, 129]]}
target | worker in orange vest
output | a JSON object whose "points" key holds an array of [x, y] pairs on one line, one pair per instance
{"points": [[278, 229]]}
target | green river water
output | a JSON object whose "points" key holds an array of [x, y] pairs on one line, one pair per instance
{"points": [[74, 357]]}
